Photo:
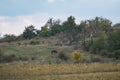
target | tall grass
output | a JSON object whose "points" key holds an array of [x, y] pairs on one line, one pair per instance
{"points": [[106, 71]]}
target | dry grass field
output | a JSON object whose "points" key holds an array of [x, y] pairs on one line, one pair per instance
{"points": [[94, 71]]}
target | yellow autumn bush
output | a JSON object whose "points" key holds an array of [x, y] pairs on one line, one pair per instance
{"points": [[77, 56]]}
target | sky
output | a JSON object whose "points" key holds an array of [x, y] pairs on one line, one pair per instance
{"points": [[16, 14]]}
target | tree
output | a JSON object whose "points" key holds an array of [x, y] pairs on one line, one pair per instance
{"points": [[105, 25], [69, 28], [114, 40], [45, 31], [50, 23], [8, 38], [69, 25], [83, 31], [98, 45], [97, 26], [52, 27], [29, 32], [117, 54], [56, 28]]}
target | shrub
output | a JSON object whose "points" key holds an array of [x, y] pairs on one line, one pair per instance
{"points": [[1, 56], [114, 40], [34, 42], [33, 58], [98, 45], [7, 58], [77, 56], [87, 59], [10, 58], [49, 60], [23, 58], [104, 52], [88, 44], [62, 56], [117, 54], [110, 55], [1, 53], [97, 59]]}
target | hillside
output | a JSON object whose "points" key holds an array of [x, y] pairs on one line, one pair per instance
{"points": [[30, 52], [59, 40], [68, 51], [95, 40]]}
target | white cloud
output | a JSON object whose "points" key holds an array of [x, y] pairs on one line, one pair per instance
{"points": [[52, 1], [16, 24]]}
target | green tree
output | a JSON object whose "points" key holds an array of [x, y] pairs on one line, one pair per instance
{"points": [[56, 28], [50, 23], [83, 33], [29, 32], [68, 28], [117, 54], [105, 25], [98, 45], [8, 38], [69, 25], [45, 31], [114, 40], [97, 26]]}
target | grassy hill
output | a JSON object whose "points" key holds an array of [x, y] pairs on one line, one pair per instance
{"points": [[38, 50], [53, 53], [28, 50]]}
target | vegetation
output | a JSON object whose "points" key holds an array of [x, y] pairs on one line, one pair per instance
{"points": [[96, 36], [60, 72], [46, 53], [77, 56], [29, 32]]}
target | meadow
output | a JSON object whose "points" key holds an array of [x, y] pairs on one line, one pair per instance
{"points": [[94, 71], [44, 67], [41, 53]]}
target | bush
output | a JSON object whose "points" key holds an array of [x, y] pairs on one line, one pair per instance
{"points": [[97, 59], [49, 60], [104, 52], [23, 58], [34, 42], [33, 58], [114, 40], [117, 54], [1, 56], [98, 45], [87, 59], [88, 44], [110, 55], [62, 56], [7, 58], [77, 56], [1, 53], [10, 58]]}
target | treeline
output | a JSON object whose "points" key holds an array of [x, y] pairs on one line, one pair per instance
{"points": [[97, 36]]}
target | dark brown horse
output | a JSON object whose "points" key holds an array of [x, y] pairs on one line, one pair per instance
{"points": [[54, 52]]}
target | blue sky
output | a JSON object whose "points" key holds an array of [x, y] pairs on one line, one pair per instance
{"points": [[16, 14]]}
